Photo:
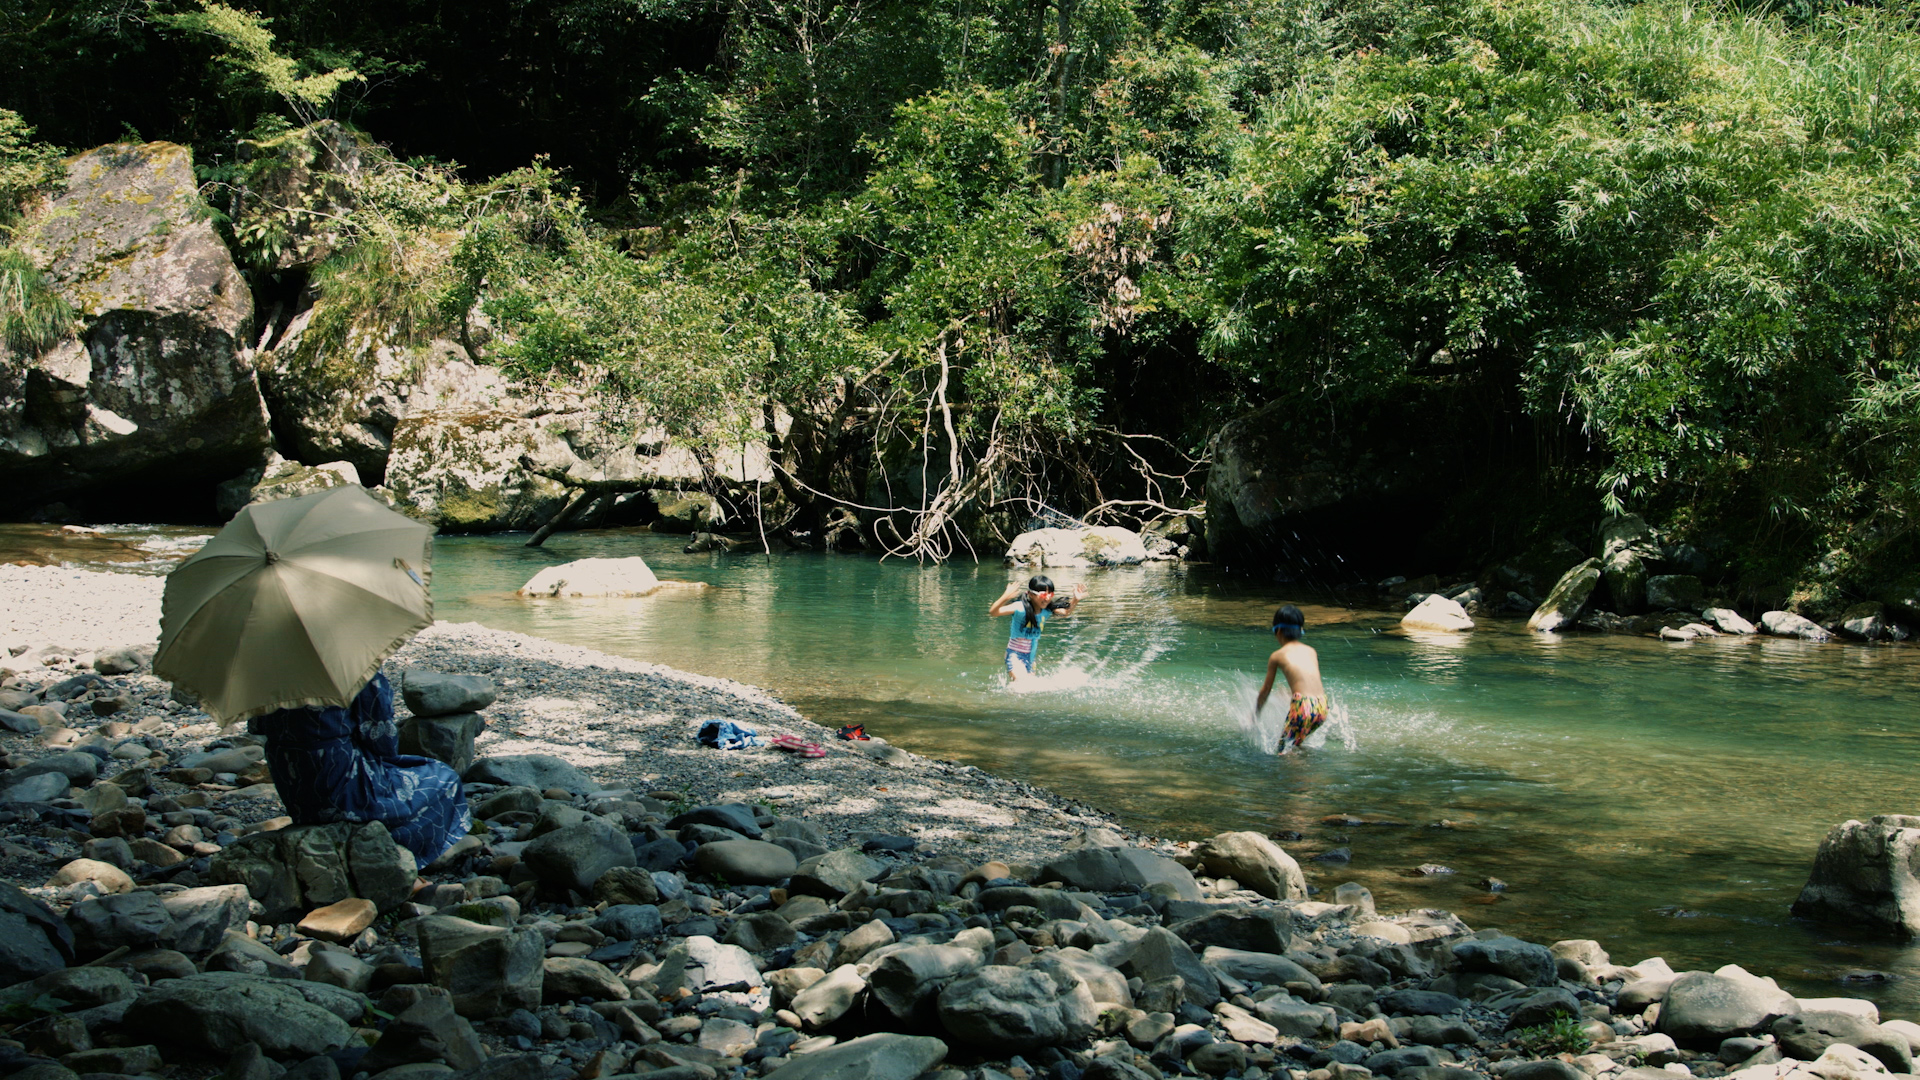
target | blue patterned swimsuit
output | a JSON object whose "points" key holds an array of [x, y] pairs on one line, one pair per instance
{"points": [[333, 764]]}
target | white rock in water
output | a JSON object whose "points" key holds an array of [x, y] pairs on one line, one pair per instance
{"points": [[630, 576], [1099, 545], [1787, 624], [1727, 620], [1437, 612]]}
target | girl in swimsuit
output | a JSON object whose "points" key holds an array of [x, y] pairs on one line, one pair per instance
{"points": [[1030, 608]]}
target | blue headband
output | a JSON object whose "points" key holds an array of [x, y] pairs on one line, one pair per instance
{"points": [[1298, 628]]}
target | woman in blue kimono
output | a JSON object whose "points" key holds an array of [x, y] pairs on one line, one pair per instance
{"points": [[333, 764]]}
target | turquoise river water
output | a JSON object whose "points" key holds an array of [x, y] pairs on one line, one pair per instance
{"points": [[1663, 798]]}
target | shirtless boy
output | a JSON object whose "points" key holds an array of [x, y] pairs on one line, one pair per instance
{"points": [[1302, 665]]}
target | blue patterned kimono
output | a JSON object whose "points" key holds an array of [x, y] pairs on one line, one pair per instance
{"points": [[333, 764]]}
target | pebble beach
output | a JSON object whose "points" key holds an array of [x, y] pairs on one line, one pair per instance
{"points": [[632, 904]]}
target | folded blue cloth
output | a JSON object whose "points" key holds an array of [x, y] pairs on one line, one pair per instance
{"points": [[727, 735]]}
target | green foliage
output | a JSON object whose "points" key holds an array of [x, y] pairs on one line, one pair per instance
{"points": [[1563, 1036], [33, 318], [248, 51], [25, 165]]}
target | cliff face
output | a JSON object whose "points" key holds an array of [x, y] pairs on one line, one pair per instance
{"points": [[155, 386]]}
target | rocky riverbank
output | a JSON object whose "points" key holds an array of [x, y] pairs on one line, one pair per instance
{"points": [[632, 904]]}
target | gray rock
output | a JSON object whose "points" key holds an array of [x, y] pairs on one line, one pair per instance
{"points": [[1863, 875], [629, 922], [427, 1030], [1519, 960], [1703, 1009], [745, 862], [1544, 1008], [1260, 930], [567, 978], [737, 817], [512, 800], [435, 693], [20, 723], [135, 920], [1392, 1062], [80, 769], [36, 787], [291, 871], [81, 987], [1256, 863], [340, 969], [906, 980], [885, 1056], [834, 874], [626, 886], [537, 771], [1787, 624], [122, 661], [1807, 1036], [1635, 996], [201, 917], [710, 963], [1299, 1019], [1433, 1031], [220, 1012], [1420, 1003], [1865, 622], [1546, 1069], [761, 931], [1107, 984], [489, 970], [1158, 954], [576, 856], [1052, 903], [1568, 600], [1256, 967], [240, 953], [1727, 620], [231, 759], [1120, 869], [1000, 1009], [33, 939], [447, 738]]}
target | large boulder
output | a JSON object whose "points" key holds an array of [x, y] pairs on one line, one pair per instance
{"points": [[630, 576], [1255, 862], [221, 1011], [1702, 1008], [290, 479], [575, 856], [536, 771], [1865, 875], [294, 870], [1007, 1010], [463, 470], [1866, 622], [33, 940], [1568, 600], [1437, 612], [1787, 624], [1100, 545], [906, 980], [154, 396], [489, 970], [1626, 547], [1120, 869]]}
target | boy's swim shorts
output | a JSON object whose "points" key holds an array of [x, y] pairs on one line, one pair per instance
{"points": [[1304, 717]]}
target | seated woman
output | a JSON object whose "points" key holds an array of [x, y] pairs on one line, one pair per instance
{"points": [[333, 764]]}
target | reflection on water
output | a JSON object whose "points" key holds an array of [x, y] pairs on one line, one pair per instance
{"points": [[1665, 799]]}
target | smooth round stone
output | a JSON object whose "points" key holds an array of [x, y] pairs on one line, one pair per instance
{"points": [[746, 862]]}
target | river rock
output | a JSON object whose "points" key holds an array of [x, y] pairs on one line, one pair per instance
{"points": [[629, 922], [834, 874], [1864, 622], [447, 738], [135, 920], [1863, 875], [883, 1056], [1158, 954], [1545, 1069], [436, 693], [1260, 930], [1260, 967], [221, 1011], [282, 479], [1808, 1035], [1727, 620], [1120, 869], [110, 879], [155, 390], [1420, 1003], [576, 856], [427, 1030], [1521, 961], [735, 817], [1568, 600], [745, 862], [565, 978], [1299, 1019], [489, 970], [76, 767], [1002, 1010], [1107, 984], [1437, 612], [1256, 863], [626, 886], [33, 788], [1787, 624], [711, 963], [629, 576], [1099, 545], [907, 979], [537, 771], [1544, 1008], [293, 870], [201, 917], [828, 999], [1702, 1008]]}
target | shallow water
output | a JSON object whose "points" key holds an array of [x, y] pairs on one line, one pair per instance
{"points": [[1665, 799]]}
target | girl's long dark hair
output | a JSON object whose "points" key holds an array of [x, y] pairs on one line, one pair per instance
{"points": [[1037, 583]]}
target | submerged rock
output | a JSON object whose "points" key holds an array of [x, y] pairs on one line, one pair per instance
{"points": [[594, 577]]}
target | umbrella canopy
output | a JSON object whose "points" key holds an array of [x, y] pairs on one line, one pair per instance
{"points": [[295, 602]]}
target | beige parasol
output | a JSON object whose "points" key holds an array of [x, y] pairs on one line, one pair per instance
{"points": [[295, 602]]}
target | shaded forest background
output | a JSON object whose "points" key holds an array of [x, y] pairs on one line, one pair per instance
{"points": [[1567, 259]]}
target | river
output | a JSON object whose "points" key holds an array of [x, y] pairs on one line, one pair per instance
{"points": [[1663, 798]]}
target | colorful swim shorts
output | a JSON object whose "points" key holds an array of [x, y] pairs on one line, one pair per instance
{"points": [[1304, 717]]}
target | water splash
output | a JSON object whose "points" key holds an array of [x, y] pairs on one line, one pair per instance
{"points": [[1263, 729]]}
